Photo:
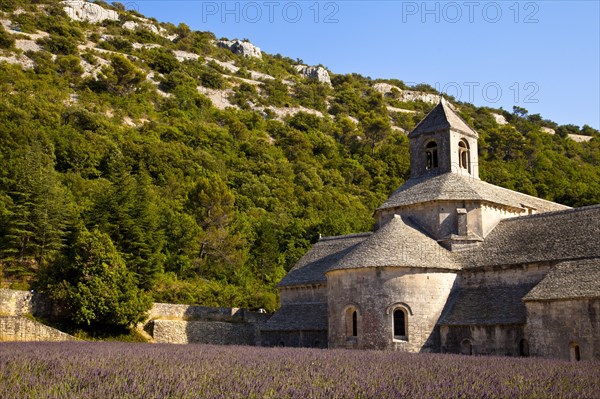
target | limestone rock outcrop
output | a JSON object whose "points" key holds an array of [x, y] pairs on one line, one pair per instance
{"points": [[245, 49], [314, 72], [83, 11], [407, 95], [500, 119]]}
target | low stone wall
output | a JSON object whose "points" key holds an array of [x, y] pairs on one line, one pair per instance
{"points": [[297, 339], [15, 303], [188, 324], [19, 303], [193, 312], [204, 332], [188, 312], [18, 328], [167, 323]]}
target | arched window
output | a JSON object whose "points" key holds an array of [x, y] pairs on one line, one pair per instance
{"points": [[466, 348], [431, 155], [523, 348], [350, 322], [463, 154], [399, 324], [575, 354]]}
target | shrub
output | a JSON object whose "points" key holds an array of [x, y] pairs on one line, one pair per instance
{"points": [[6, 39]]}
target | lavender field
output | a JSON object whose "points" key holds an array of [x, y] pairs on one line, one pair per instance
{"points": [[117, 370]]}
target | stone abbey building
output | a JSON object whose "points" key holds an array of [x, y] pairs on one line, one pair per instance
{"points": [[454, 264]]}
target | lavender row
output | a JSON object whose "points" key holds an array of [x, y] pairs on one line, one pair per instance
{"points": [[116, 370]]}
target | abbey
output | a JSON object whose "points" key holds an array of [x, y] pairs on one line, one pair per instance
{"points": [[454, 264]]}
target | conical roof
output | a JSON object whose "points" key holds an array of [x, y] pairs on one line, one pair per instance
{"points": [[440, 118], [455, 187], [398, 243]]}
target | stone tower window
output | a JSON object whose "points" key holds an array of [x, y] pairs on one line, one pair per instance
{"points": [[354, 324], [431, 155], [463, 155], [399, 324]]}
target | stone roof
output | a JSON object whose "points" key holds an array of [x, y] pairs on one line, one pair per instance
{"points": [[452, 186], [311, 268], [547, 237], [569, 280], [442, 117], [398, 243], [300, 316], [487, 305]]}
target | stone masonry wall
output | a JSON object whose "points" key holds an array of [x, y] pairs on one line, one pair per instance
{"points": [[204, 332], [306, 294], [555, 327], [375, 293], [186, 324], [17, 328], [19, 303], [498, 340]]}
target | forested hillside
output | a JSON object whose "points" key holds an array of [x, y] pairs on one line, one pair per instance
{"points": [[201, 175]]}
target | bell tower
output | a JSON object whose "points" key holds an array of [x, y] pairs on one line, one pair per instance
{"points": [[443, 143]]}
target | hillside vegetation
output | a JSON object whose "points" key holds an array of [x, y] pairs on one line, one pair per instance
{"points": [[143, 160]]}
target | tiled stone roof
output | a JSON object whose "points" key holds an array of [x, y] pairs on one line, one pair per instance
{"points": [[547, 237], [487, 305], [452, 186], [327, 251], [569, 280], [300, 316], [398, 243], [442, 117]]}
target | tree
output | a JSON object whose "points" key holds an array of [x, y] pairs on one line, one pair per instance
{"points": [[122, 77], [376, 128], [92, 285], [39, 212]]}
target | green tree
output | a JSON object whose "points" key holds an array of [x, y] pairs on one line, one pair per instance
{"points": [[122, 77], [375, 128], [92, 285], [39, 212]]}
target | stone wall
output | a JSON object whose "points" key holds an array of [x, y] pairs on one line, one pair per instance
{"points": [[204, 332], [187, 324], [303, 294], [295, 339], [168, 323], [190, 312], [555, 328], [510, 275], [19, 303], [375, 293], [17, 328], [500, 340]]}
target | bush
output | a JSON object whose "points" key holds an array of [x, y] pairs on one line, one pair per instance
{"points": [[6, 39], [59, 44], [92, 284]]}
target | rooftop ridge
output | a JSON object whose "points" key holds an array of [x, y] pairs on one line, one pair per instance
{"points": [[341, 237], [527, 195], [552, 213]]}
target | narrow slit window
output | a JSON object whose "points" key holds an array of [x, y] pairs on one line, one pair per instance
{"points": [[354, 324]]}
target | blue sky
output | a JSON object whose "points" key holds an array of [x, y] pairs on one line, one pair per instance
{"points": [[540, 55]]}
